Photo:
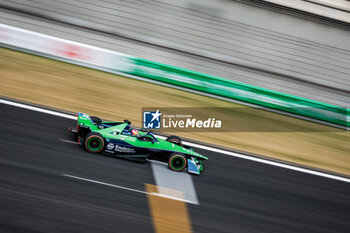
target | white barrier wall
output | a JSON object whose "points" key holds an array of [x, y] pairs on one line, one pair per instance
{"points": [[232, 32], [62, 48]]}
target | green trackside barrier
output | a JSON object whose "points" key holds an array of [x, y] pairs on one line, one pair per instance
{"points": [[236, 90]]}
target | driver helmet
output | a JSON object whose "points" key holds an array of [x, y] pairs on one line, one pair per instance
{"points": [[134, 132]]}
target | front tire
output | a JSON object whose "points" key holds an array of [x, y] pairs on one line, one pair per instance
{"points": [[94, 143], [177, 162]]}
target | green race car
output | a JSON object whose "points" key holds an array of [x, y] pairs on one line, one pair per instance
{"points": [[122, 140]]}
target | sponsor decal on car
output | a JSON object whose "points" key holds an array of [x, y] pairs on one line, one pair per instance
{"points": [[124, 149], [110, 146]]}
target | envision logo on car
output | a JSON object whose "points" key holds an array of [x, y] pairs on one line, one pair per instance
{"points": [[110, 146]]}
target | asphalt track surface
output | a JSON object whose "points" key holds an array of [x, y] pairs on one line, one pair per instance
{"points": [[235, 195]]}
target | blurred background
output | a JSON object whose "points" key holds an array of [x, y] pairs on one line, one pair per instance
{"points": [[245, 41], [108, 58]]}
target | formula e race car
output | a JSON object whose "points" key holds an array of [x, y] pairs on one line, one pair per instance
{"points": [[121, 140]]}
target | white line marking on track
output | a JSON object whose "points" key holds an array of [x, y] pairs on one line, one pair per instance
{"points": [[265, 161], [126, 188], [103, 183], [174, 198], [37, 109], [216, 150], [63, 140], [167, 181]]}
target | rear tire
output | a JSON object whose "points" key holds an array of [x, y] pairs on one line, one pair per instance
{"points": [[94, 143], [177, 162], [175, 139], [96, 120]]}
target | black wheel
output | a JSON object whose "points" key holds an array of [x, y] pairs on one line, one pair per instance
{"points": [[177, 162], [175, 139], [94, 143], [96, 120]]}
